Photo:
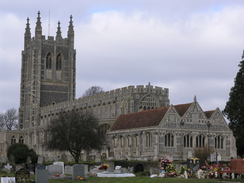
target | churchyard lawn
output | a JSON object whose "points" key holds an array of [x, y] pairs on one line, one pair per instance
{"points": [[148, 180], [143, 179]]}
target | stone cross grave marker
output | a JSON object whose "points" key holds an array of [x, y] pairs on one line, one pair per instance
{"points": [[8, 167]]}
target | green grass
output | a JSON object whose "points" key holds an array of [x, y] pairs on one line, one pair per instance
{"points": [[142, 179], [146, 180]]}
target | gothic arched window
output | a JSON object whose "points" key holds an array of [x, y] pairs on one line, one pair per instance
{"points": [[21, 140], [148, 140], [187, 140], [169, 140], [200, 141], [59, 62], [49, 61], [13, 140], [219, 142]]}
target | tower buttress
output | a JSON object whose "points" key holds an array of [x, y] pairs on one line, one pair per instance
{"points": [[27, 33], [59, 33], [71, 33], [38, 31]]}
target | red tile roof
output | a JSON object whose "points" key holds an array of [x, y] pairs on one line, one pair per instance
{"points": [[149, 117], [140, 119], [209, 113], [182, 108]]}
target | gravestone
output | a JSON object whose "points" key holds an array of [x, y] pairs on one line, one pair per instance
{"points": [[8, 167], [40, 160], [67, 169], [55, 169], [41, 176], [28, 160], [22, 175], [7, 179], [41, 166], [30, 167], [79, 170], [98, 157], [110, 166], [154, 170], [60, 163]]}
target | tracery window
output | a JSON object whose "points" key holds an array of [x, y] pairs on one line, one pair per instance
{"points": [[148, 102], [21, 139], [13, 140], [219, 142], [200, 141], [59, 62], [148, 139], [49, 61], [169, 140], [188, 140]]}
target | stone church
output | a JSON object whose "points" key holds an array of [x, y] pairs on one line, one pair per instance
{"points": [[138, 121]]}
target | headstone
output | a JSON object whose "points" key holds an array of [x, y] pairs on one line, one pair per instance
{"points": [[18, 167], [117, 169], [31, 167], [22, 175], [28, 160], [8, 167], [98, 157], [41, 175], [40, 160], [185, 175], [55, 169], [60, 163], [110, 166], [7, 179], [11, 159], [79, 170], [67, 169], [154, 170], [41, 166], [64, 157]]}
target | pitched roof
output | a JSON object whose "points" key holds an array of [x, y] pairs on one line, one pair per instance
{"points": [[182, 108], [140, 119], [209, 113]]}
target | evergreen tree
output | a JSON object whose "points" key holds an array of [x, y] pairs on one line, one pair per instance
{"points": [[234, 109]]}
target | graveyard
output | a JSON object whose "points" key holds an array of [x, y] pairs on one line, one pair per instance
{"points": [[130, 171]]}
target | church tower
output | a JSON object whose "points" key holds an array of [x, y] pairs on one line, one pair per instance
{"points": [[47, 73]]}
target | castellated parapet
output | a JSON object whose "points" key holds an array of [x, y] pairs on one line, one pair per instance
{"points": [[107, 106]]}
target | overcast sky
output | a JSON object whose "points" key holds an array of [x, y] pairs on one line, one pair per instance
{"points": [[192, 47]]}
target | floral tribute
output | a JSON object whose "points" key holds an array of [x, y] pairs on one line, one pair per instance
{"points": [[103, 167], [167, 168], [80, 178]]}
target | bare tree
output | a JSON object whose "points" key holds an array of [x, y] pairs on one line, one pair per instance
{"points": [[73, 131], [8, 120], [92, 91]]}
